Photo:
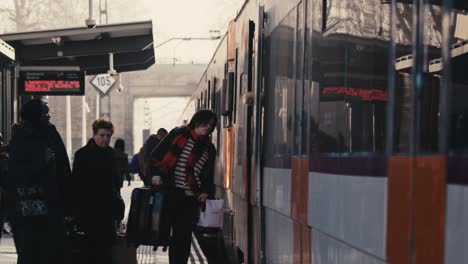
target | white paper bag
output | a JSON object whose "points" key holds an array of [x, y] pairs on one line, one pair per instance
{"points": [[213, 214]]}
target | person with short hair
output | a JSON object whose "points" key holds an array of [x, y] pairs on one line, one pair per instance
{"points": [[185, 161], [94, 173]]}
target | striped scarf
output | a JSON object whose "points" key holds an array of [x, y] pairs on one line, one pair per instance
{"points": [[168, 163]]}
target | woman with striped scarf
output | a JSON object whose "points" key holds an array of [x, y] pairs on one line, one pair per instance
{"points": [[185, 162]]}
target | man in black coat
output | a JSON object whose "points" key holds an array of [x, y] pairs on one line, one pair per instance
{"points": [[94, 173]]}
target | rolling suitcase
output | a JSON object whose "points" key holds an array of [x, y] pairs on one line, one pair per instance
{"points": [[147, 222]]}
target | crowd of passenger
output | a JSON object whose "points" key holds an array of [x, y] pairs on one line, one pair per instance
{"points": [[43, 198]]}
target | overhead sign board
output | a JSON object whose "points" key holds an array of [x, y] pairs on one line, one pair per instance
{"points": [[38, 80], [103, 82]]}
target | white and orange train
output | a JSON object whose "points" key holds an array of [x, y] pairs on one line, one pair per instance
{"points": [[343, 136]]}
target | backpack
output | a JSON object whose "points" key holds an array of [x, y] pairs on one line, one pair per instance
{"points": [[145, 152], [133, 166]]}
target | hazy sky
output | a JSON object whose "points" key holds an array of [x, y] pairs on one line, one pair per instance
{"points": [[179, 18], [173, 18], [164, 113]]}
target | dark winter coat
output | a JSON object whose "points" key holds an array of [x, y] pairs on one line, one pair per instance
{"points": [[28, 166], [133, 166], [121, 160], [94, 176]]}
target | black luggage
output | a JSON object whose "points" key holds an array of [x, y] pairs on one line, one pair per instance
{"points": [[148, 223]]}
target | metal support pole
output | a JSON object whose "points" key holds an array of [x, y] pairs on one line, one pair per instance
{"points": [[98, 102], [111, 63], [90, 9]]}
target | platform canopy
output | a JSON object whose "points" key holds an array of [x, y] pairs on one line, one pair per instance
{"points": [[7, 52], [130, 43]]}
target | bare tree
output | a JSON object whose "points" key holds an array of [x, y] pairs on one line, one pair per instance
{"points": [[27, 15]]}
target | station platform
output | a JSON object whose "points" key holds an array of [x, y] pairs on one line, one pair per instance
{"points": [[145, 254]]}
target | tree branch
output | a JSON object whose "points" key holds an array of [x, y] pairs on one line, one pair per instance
{"points": [[11, 13]]}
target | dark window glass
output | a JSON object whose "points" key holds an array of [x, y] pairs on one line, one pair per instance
{"points": [[299, 76], [280, 93], [458, 132], [417, 103], [312, 75], [213, 95], [2, 103], [235, 90], [347, 75], [208, 96]]}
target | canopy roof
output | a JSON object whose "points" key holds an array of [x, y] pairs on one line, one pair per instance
{"points": [[131, 44]]}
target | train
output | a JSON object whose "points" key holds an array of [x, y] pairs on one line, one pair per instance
{"points": [[342, 134]]}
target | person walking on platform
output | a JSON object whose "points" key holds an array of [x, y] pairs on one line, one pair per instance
{"points": [[94, 174], [185, 161], [145, 154], [37, 185], [121, 159]]}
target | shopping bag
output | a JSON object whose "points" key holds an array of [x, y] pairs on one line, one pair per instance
{"points": [[212, 216]]}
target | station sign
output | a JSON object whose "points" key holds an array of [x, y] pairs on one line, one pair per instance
{"points": [[103, 82], [43, 80]]}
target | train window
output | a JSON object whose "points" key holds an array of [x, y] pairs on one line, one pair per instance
{"points": [[280, 109], [3, 100], [208, 96], [201, 100], [458, 139], [213, 95], [403, 77], [417, 58], [224, 112], [346, 77], [299, 87], [428, 92], [312, 76], [227, 99], [234, 101], [217, 109]]}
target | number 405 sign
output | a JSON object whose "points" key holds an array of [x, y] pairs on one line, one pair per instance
{"points": [[103, 82]]}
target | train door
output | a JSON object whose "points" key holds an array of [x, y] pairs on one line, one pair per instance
{"points": [[258, 149], [251, 90], [245, 123]]}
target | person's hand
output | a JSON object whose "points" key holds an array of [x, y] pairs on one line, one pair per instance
{"points": [[202, 197]]}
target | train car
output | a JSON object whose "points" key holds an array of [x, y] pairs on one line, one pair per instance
{"points": [[342, 131]]}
